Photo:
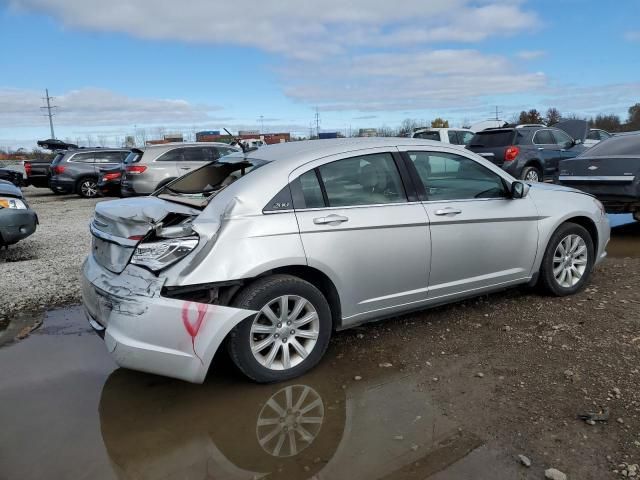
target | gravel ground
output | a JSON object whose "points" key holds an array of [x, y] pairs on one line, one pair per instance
{"points": [[43, 270]]}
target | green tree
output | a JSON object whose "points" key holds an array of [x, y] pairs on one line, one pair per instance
{"points": [[532, 116], [440, 123], [633, 122]]}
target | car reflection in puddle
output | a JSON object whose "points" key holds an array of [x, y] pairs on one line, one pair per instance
{"points": [[320, 425]]}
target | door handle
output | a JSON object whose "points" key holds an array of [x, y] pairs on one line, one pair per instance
{"points": [[185, 168], [330, 220], [540, 148], [448, 211]]}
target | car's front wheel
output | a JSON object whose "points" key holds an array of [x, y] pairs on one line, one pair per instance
{"points": [[287, 336], [568, 260]]}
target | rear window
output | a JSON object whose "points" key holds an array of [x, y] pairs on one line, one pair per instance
{"points": [[57, 158], [428, 135], [133, 157], [197, 187], [616, 145], [492, 138]]}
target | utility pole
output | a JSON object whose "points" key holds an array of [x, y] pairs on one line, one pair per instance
{"points": [[317, 123], [261, 124], [49, 114], [498, 112]]}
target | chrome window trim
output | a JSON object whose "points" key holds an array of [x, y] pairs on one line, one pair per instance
{"points": [[70, 159], [533, 139], [601, 178]]}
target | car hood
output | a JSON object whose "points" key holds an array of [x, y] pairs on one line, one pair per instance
{"points": [[8, 189], [553, 187], [577, 129]]}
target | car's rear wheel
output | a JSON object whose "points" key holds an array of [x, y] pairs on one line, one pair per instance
{"points": [[287, 336], [531, 174], [568, 260], [87, 187]]}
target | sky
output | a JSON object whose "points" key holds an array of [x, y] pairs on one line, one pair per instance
{"points": [[122, 66]]}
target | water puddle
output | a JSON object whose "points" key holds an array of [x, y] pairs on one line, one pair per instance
{"points": [[63, 398], [625, 237]]}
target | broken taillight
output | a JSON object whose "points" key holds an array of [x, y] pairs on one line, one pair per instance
{"points": [[136, 169], [111, 176]]}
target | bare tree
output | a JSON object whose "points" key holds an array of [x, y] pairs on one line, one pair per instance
{"points": [[102, 140], [610, 123], [633, 122], [90, 140], [407, 126], [553, 116]]}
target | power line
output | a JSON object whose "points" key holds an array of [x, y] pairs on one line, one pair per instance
{"points": [[49, 107]]}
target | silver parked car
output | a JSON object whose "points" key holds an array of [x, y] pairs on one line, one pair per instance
{"points": [[147, 169], [269, 252]]}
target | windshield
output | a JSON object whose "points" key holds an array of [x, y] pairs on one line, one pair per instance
{"points": [[197, 187], [57, 159], [427, 135]]}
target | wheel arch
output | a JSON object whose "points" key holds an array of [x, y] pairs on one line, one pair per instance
{"points": [[318, 279], [589, 225], [535, 162]]}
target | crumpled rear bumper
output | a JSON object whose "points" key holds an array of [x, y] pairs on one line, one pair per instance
{"points": [[148, 332]]}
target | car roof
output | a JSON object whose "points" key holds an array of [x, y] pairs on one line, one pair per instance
{"points": [[94, 149], [185, 144], [308, 150]]}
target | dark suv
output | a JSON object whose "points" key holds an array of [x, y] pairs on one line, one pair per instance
{"points": [[77, 171], [529, 152]]}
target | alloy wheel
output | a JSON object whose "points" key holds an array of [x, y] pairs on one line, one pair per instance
{"points": [[290, 421], [570, 260], [89, 188], [532, 176], [284, 332]]}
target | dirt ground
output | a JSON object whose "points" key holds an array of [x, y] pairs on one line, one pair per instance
{"points": [[496, 377]]}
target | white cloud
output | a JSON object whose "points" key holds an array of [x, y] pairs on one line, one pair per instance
{"points": [[303, 30], [530, 54], [632, 35], [408, 81], [97, 107]]}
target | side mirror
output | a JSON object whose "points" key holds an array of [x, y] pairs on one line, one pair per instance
{"points": [[577, 141], [519, 189]]}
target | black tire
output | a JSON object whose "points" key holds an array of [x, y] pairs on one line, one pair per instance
{"points": [[548, 281], [530, 172], [87, 187], [254, 297]]}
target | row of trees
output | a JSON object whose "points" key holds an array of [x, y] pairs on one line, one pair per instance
{"points": [[609, 122]]}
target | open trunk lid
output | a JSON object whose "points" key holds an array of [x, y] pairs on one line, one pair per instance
{"points": [[576, 129], [119, 225]]}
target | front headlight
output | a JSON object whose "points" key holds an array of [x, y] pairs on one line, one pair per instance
{"points": [[8, 202], [160, 254]]}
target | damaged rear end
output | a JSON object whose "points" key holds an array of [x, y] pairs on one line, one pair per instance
{"points": [[137, 245]]}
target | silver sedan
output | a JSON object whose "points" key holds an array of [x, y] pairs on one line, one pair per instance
{"points": [[268, 253]]}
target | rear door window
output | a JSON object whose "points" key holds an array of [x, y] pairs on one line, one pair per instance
{"points": [[365, 180], [543, 137], [174, 155], [82, 158], [108, 157], [453, 137], [198, 154]]}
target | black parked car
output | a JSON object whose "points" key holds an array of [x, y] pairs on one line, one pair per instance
{"points": [[610, 171], [11, 176], [17, 220], [531, 152], [77, 171]]}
